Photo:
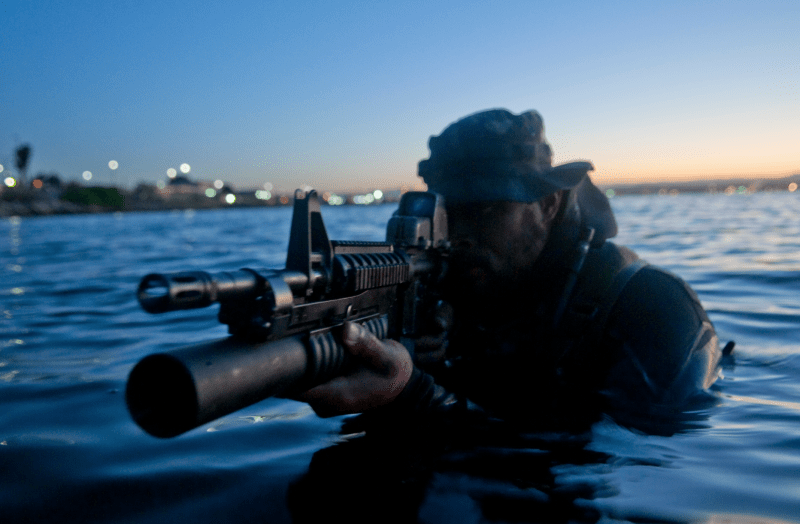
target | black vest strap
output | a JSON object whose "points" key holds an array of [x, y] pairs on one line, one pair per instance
{"points": [[605, 307], [586, 320]]}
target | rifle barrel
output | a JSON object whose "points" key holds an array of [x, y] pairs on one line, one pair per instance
{"points": [[162, 292]]}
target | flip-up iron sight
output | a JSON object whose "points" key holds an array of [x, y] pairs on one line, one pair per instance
{"points": [[282, 321]]}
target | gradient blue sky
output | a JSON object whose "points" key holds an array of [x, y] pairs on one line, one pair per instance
{"points": [[344, 95]]}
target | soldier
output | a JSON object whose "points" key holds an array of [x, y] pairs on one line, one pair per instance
{"points": [[549, 318]]}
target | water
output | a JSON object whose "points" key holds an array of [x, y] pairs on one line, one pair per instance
{"points": [[70, 331]]}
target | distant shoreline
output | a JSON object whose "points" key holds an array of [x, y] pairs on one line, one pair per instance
{"points": [[42, 203], [731, 185]]}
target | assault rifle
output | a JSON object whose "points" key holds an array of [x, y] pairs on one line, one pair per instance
{"points": [[283, 323]]}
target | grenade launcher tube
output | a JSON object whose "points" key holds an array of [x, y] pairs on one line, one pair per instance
{"points": [[171, 393]]}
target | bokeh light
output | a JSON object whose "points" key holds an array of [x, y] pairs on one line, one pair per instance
{"points": [[211, 193], [792, 187], [267, 186], [1, 168], [185, 168], [219, 184], [263, 194], [87, 175], [37, 183], [10, 181], [230, 198], [171, 172], [364, 199], [113, 164], [378, 194]]}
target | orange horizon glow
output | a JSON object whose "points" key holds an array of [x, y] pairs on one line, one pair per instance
{"points": [[606, 177]]}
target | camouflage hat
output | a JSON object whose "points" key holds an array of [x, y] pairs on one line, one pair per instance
{"points": [[496, 155]]}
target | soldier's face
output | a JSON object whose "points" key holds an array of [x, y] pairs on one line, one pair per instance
{"points": [[495, 244]]}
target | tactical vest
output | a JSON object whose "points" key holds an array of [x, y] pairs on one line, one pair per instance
{"points": [[605, 273], [537, 365]]}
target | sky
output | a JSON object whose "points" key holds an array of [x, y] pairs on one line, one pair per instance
{"points": [[344, 95]]}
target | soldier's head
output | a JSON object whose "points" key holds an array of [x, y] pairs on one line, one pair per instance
{"points": [[502, 193], [494, 156]]}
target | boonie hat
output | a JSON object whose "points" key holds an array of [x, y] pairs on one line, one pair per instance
{"points": [[496, 155]]}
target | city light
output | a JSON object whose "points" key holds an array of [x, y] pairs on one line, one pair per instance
{"points": [[185, 168], [230, 198], [10, 181], [335, 200], [364, 199], [171, 172], [87, 175]]}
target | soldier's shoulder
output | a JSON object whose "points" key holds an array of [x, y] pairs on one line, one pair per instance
{"points": [[664, 336]]}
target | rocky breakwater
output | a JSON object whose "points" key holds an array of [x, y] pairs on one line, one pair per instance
{"points": [[42, 207]]}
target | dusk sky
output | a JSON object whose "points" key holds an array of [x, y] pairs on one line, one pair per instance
{"points": [[344, 95]]}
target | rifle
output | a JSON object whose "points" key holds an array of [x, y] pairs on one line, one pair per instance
{"points": [[283, 323]]}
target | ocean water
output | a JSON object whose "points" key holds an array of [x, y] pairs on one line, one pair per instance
{"points": [[71, 330]]}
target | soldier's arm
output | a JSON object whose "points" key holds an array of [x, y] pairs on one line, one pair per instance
{"points": [[385, 381]]}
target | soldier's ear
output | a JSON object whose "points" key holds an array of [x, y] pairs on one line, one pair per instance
{"points": [[551, 204]]}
